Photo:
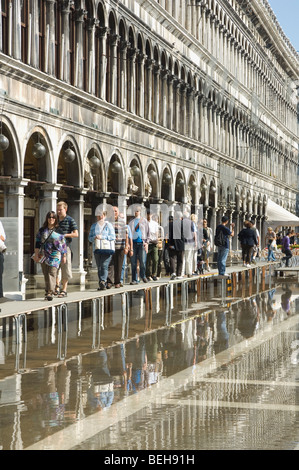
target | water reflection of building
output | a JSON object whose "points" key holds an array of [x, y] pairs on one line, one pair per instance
{"points": [[199, 108], [93, 375]]}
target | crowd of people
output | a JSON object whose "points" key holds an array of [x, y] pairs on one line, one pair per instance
{"points": [[183, 245]]}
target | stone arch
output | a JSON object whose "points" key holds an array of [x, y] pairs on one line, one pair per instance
{"points": [[10, 155]]}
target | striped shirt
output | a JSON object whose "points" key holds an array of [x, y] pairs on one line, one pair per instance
{"points": [[68, 225]]}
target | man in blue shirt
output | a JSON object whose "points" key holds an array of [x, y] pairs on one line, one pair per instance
{"points": [[224, 249], [141, 234]]}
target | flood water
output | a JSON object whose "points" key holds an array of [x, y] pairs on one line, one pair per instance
{"points": [[178, 366]]}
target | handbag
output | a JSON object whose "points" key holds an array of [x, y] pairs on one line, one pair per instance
{"points": [[273, 245], [104, 245]]}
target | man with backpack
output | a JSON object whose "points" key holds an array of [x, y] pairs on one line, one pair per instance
{"points": [[221, 240]]}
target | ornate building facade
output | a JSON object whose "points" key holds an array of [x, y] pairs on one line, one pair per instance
{"points": [[171, 101]]}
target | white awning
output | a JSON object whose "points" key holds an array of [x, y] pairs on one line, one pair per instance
{"points": [[277, 215]]}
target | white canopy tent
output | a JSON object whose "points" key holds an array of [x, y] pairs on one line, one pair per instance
{"points": [[278, 216]]}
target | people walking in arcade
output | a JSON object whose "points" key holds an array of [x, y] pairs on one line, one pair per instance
{"points": [[102, 236], [50, 251]]}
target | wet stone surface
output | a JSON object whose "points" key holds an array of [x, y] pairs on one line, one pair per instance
{"points": [[162, 368]]}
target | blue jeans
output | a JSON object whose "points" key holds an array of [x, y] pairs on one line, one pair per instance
{"points": [[221, 259], [138, 254], [102, 260], [271, 256]]}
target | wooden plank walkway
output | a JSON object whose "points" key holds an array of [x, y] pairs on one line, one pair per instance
{"points": [[18, 307]]}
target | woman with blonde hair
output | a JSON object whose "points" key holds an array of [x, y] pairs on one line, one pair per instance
{"points": [[270, 240]]}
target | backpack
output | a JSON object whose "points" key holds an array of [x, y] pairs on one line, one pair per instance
{"points": [[220, 238]]}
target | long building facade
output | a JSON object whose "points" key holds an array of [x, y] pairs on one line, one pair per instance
{"points": [[173, 102]]}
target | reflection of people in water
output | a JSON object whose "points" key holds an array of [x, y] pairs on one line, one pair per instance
{"points": [[221, 342], [248, 318], [101, 393], [270, 312], [136, 362], [286, 300]]}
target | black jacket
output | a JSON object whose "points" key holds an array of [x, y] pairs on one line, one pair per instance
{"points": [[247, 236], [177, 243]]}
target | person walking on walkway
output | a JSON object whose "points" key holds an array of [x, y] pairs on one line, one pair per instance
{"points": [[221, 240], [121, 249], [176, 242], [247, 238], [140, 232], [206, 243], [50, 251], [70, 230], [270, 241], [190, 243], [286, 249], [152, 254], [102, 236]]}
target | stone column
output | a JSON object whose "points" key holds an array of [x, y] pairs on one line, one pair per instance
{"points": [[164, 97], [76, 210], [141, 61], [103, 62], [91, 87], [113, 69], [190, 111], [50, 63], [65, 42], [196, 116], [79, 49], [132, 81], [170, 111], [149, 96], [123, 74], [177, 85], [157, 97]]}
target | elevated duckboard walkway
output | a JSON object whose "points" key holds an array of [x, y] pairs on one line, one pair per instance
{"points": [[17, 307], [288, 270]]}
